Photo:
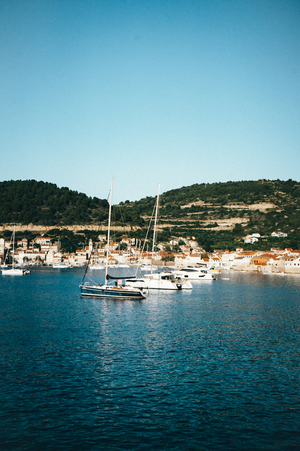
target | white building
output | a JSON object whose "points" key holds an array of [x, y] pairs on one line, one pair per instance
{"points": [[279, 235], [251, 239], [292, 266], [43, 240], [227, 259]]}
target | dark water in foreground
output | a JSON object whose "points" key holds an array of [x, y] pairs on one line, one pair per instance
{"points": [[216, 369]]}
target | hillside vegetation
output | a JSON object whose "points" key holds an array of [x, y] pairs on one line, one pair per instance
{"points": [[45, 204], [219, 215]]}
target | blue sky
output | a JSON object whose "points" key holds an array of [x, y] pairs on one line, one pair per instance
{"points": [[171, 92]]}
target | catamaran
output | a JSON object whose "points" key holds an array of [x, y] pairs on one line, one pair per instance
{"points": [[114, 289]]}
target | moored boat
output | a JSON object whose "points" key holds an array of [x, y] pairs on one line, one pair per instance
{"points": [[160, 281], [194, 274], [111, 291], [114, 289], [14, 271], [97, 266], [61, 265]]}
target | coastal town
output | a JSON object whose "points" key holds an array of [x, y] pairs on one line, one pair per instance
{"points": [[44, 251]]}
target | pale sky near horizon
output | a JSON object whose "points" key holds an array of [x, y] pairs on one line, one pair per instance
{"points": [[146, 91]]}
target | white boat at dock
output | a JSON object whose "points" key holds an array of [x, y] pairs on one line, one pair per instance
{"points": [[13, 271], [61, 265], [192, 273], [97, 266]]}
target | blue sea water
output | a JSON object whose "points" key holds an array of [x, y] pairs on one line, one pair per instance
{"points": [[214, 369]]}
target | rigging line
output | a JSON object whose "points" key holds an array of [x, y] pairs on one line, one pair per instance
{"points": [[87, 266], [143, 248], [108, 230], [144, 244], [95, 283]]}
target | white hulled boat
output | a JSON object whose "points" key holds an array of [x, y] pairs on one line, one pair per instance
{"points": [[194, 274], [61, 265], [13, 271], [97, 266], [159, 280]]}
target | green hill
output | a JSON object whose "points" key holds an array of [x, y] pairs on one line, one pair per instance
{"points": [[223, 213], [219, 215], [43, 203]]}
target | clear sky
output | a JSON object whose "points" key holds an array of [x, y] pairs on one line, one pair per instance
{"points": [[149, 91]]}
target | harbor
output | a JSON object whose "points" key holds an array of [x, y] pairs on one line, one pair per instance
{"points": [[216, 367]]}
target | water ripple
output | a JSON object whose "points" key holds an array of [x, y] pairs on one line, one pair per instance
{"points": [[214, 369]]}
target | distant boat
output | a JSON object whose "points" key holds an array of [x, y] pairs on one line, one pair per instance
{"points": [[194, 274], [13, 271], [96, 266], [112, 290], [61, 265]]}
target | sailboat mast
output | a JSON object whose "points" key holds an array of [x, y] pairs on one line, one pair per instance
{"points": [[13, 256], [108, 231], [155, 220]]}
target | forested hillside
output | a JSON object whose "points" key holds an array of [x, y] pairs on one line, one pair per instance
{"points": [[218, 194], [45, 204], [219, 215]]}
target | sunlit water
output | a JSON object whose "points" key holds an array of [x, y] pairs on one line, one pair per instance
{"points": [[214, 369]]}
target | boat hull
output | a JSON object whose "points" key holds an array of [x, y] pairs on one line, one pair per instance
{"points": [[160, 282], [111, 292], [15, 272], [62, 266], [194, 275]]}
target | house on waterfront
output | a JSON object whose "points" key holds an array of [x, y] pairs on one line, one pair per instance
{"points": [[242, 261], [227, 258], [292, 264]]}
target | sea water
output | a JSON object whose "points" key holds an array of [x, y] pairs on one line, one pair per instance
{"points": [[212, 369]]}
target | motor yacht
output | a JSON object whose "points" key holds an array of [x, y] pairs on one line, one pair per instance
{"points": [[194, 274]]}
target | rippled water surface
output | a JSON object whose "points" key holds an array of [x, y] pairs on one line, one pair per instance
{"points": [[214, 369]]}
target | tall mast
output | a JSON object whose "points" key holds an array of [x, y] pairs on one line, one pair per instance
{"points": [[154, 232], [108, 231], [13, 256]]}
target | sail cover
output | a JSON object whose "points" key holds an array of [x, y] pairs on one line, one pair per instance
{"points": [[122, 273]]}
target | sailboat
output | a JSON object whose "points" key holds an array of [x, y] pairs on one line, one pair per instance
{"points": [[163, 280], [14, 271], [114, 290]]}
